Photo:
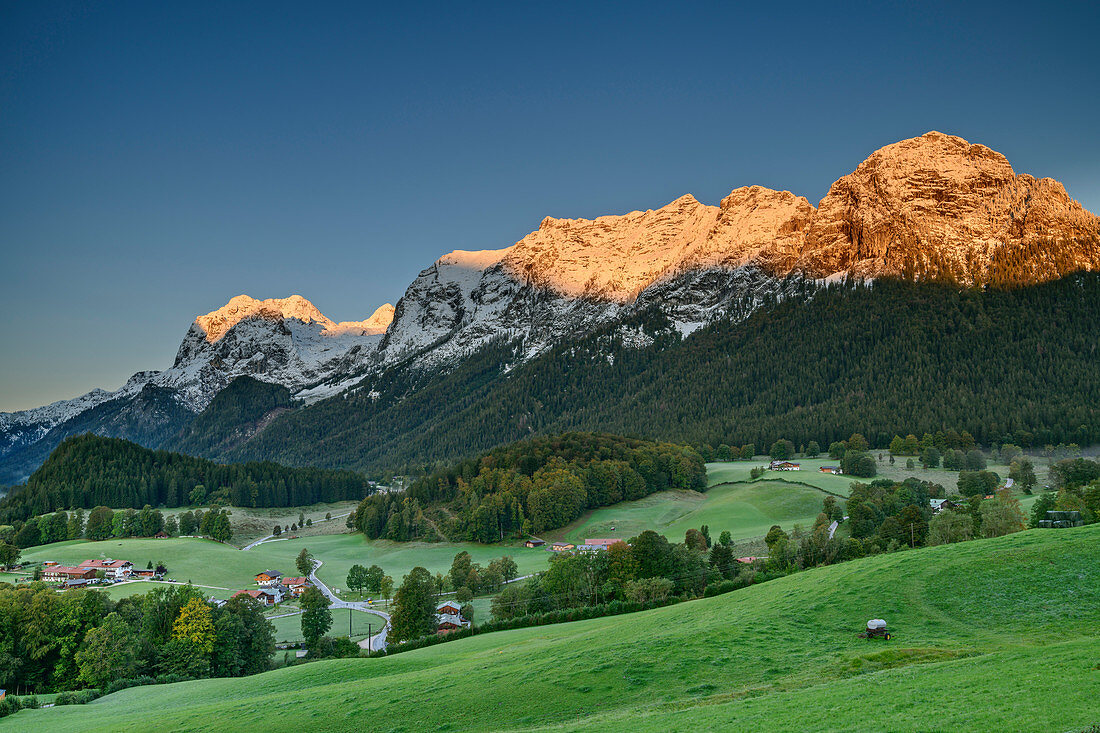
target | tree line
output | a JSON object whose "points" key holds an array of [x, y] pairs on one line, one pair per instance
{"points": [[529, 487], [104, 523], [88, 470]]}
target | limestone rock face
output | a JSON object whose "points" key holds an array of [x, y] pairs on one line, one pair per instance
{"points": [[937, 206]]}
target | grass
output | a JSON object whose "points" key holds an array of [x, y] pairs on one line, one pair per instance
{"points": [[289, 628], [732, 502], [227, 568], [990, 635]]}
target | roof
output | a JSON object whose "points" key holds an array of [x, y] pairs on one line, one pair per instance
{"points": [[296, 581], [108, 563], [563, 544], [257, 594], [270, 574], [535, 541], [605, 542], [445, 604]]}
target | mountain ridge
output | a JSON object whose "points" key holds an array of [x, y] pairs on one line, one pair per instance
{"points": [[934, 207]]}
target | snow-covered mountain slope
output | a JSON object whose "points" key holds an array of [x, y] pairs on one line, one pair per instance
{"points": [[933, 207], [286, 341]]}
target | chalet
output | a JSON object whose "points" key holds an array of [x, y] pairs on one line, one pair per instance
{"points": [[116, 569], [602, 544], [449, 617], [534, 543], [296, 586], [784, 466], [939, 505], [268, 578], [61, 572], [72, 583], [562, 546], [162, 535], [831, 469], [268, 597]]}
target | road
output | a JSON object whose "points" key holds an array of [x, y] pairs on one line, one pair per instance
{"points": [[373, 643]]}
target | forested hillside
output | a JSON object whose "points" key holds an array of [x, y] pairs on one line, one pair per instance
{"points": [[150, 417], [531, 486], [892, 358], [231, 417], [88, 471]]}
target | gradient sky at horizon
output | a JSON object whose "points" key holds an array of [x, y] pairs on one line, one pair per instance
{"points": [[157, 159]]}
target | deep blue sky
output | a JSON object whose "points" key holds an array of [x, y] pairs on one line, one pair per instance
{"points": [[157, 159]]}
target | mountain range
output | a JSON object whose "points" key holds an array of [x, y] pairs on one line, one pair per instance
{"points": [[933, 211]]}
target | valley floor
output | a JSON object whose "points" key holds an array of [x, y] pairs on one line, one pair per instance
{"points": [[997, 634]]}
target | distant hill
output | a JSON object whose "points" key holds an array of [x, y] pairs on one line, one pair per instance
{"points": [[89, 470], [997, 634]]}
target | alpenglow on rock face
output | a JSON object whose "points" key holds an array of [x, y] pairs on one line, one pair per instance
{"points": [[937, 206], [933, 207]]}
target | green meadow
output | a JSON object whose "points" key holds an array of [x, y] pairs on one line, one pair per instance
{"points": [[999, 634], [732, 502], [223, 567]]}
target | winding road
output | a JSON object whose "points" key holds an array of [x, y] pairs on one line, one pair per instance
{"points": [[373, 643]]}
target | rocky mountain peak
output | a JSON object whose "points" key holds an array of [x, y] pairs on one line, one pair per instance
{"points": [[937, 206], [216, 323]]}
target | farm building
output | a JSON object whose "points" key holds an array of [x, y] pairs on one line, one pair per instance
{"points": [[939, 505], [600, 543], [116, 569], [534, 543], [266, 596], [449, 617], [831, 469], [296, 586], [562, 546], [62, 572], [1061, 520], [784, 466], [268, 578]]}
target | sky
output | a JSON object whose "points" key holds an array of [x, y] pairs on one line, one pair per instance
{"points": [[157, 159]]}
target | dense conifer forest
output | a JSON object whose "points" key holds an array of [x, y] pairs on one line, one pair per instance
{"points": [[88, 471], [528, 487], [231, 417], [890, 358]]}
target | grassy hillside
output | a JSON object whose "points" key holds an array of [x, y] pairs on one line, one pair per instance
{"points": [[990, 635], [221, 567], [747, 509]]}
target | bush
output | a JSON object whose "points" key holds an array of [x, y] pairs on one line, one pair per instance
{"points": [[9, 705], [329, 648]]}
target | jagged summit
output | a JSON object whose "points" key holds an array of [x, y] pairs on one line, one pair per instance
{"points": [[931, 207], [217, 323], [935, 206], [939, 206]]}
